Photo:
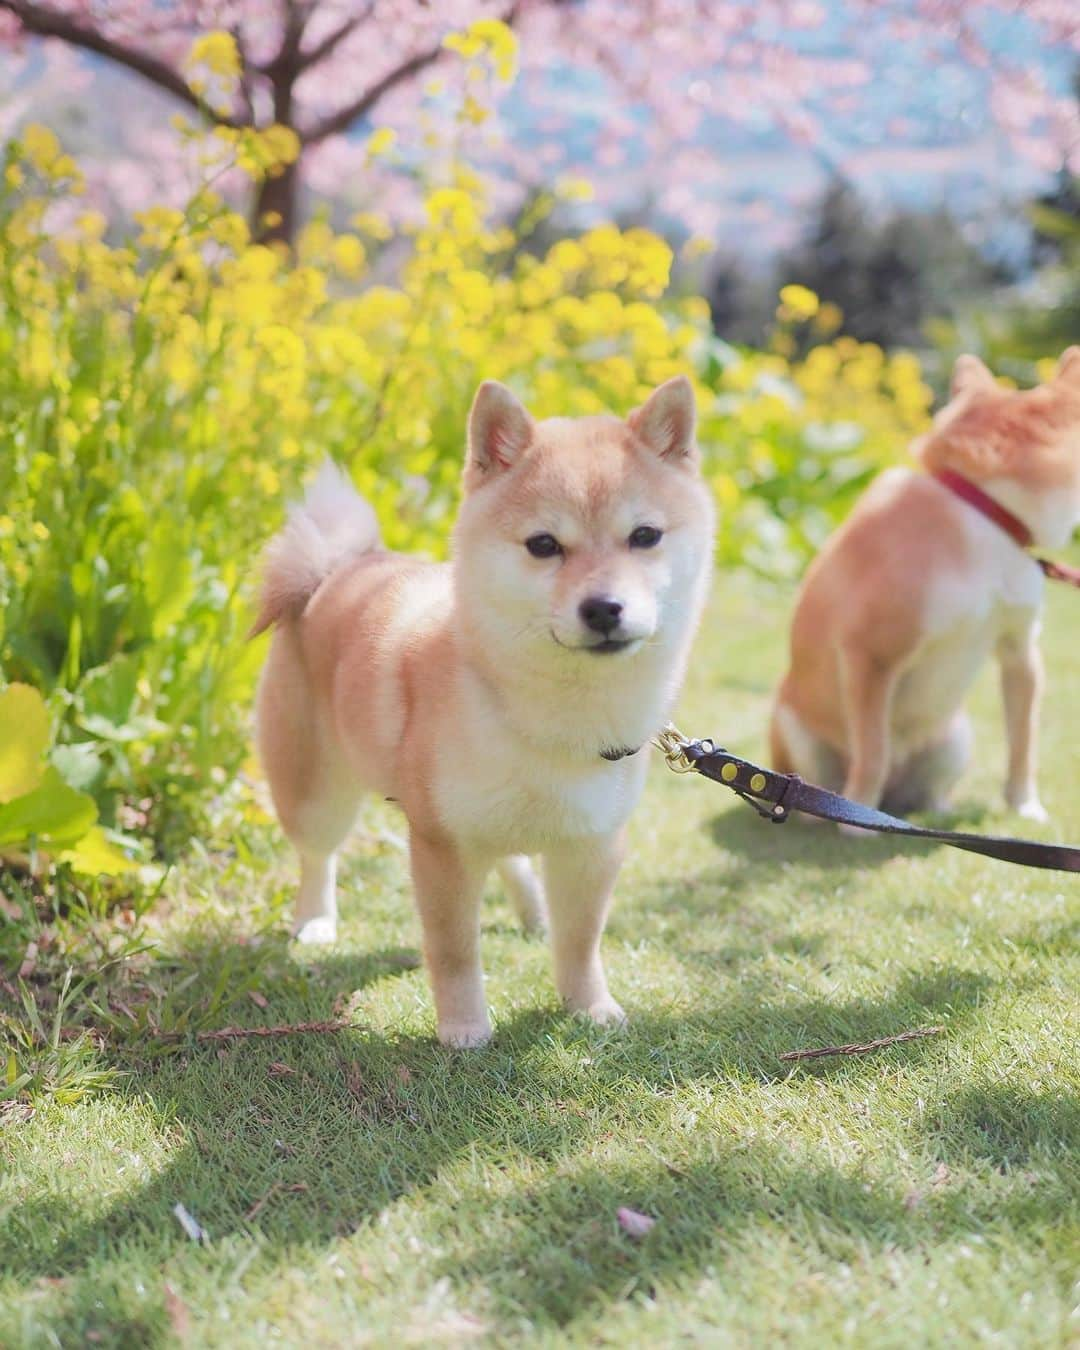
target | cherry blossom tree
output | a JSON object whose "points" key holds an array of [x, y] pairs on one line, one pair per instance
{"points": [[668, 72]]}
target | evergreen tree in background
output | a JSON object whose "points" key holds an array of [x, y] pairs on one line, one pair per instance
{"points": [[890, 277]]}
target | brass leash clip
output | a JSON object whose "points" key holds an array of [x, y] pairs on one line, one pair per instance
{"points": [[672, 745]]}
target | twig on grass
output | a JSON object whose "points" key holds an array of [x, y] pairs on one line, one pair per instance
{"points": [[295, 1188], [865, 1047]]}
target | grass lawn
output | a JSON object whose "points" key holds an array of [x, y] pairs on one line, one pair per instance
{"points": [[367, 1186]]}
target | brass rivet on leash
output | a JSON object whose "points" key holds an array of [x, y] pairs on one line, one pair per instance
{"points": [[757, 783], [729, 771]]}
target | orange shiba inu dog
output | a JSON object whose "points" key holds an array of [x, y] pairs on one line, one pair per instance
{"points": [[502, 698], [908, 597]]}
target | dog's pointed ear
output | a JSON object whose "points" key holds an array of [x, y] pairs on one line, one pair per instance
{"points": [[500, 430], [970, 374], [667, 420], [1068, 371]]}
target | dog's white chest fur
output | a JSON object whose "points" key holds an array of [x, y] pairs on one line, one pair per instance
{"points": [[994, 599], [517, 805], [504, 795]]}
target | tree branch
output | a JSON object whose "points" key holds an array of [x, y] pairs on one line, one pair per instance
{"points": [[45, 22], [345, 117], [333, 40]]}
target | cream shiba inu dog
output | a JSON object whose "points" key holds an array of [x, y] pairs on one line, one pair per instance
{"points": [[502, 698], [906, 600]]}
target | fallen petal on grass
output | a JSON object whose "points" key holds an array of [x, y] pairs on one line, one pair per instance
{"points": [[633, 1223], [191, 1226]]}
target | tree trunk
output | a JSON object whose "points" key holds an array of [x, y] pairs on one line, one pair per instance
{"points": [[278, 195]]}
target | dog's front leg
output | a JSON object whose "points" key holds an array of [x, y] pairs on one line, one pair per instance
{"points": [[579, 878], [1021, 687], [448, 887], [868, 690]]}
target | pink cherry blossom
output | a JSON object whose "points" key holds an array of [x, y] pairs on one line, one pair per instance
{"points": [[659, 76]]}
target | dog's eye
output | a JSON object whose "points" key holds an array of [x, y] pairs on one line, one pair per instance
{"points": [[645, 536], [543, 545]]}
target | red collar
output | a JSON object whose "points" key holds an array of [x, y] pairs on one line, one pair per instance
{"points": [[1013, 526]]}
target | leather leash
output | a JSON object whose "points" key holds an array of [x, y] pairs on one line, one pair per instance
{"points": [[775, 795]]}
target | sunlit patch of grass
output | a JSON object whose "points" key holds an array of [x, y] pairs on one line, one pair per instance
{"points": [[366, 1185]]}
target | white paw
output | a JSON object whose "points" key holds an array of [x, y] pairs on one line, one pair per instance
{"points": [[465, 1035], [605, 1012], [311, 931], [1033, 809]]}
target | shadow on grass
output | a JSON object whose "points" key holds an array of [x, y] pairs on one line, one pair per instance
{"points": [[298, 1141], [286, 1145], [743, 833], [553, 1251]]}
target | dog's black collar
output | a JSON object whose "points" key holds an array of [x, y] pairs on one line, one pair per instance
{"points": [[617, 752]]}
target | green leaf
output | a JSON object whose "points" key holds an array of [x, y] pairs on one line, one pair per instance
{"points": [[24, 736], [106, 699], [95, 854], [14, 1086], [108, 693], [167, 579], [1055, 224], [53, 813], [79, 764]]}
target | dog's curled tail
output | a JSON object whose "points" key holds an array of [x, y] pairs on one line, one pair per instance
{"points": [[332, 523]]}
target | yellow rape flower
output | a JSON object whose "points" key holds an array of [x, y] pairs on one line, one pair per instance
{"points": [[218, 52], [491, 38], [473, 111], [41, 147], [380, 142], [371, 224], [828, 318], [349, 255], [91, 225], [280, 144], [230, 230], [575, 189], [160, 225], [798, 303], [697, 246]]}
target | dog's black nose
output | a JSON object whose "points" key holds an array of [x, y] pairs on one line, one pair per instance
{"points": [[601, 613]]}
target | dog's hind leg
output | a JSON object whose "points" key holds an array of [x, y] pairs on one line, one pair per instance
{"points": [[315, 795], [525, 891], [318, 828], [923, 781]]}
